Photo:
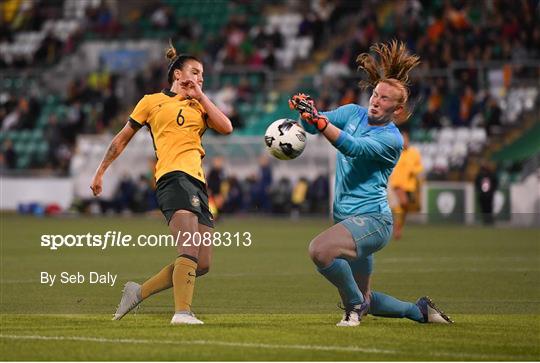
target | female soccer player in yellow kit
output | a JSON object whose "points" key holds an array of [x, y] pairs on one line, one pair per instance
{"points": [[177, 118], [404, 182]]}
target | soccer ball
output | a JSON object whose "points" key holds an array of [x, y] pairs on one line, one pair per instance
{"points": [[285, 139]]}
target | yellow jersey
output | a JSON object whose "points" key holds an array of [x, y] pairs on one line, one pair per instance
{"points": [[406, 171], [176, 126]]}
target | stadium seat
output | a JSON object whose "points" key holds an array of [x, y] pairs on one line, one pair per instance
{"points": [[441, 163], [462, 134], [446, 135], [427, 162]]}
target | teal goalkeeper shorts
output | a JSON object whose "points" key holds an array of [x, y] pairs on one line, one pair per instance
{"points": [[370, 232]]}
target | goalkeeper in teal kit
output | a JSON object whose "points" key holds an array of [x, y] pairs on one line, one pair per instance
{"points": [[369, 146]]}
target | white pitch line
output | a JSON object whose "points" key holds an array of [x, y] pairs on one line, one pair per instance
{"points": [[254, 345], [202, 342]]}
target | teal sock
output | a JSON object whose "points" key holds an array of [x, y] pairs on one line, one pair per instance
{"points": [[390, 307], [340, 275]]}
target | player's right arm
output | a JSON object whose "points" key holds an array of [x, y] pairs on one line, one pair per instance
{"points": [[118, 144], [136, 120]]}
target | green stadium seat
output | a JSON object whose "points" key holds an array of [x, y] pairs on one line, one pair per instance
{"points": [[24, 135], [19, 147], [418, 135], [31, 147], [43, 147], [36, 135], [23, 162], [244, 109], [14, 136]]}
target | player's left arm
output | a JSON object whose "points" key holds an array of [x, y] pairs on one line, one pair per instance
{"points": [[380, 148], [216, 119], [365, 147], [305, 105]]}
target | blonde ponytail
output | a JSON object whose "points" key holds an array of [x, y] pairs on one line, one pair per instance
{"points": [[392, 67]]}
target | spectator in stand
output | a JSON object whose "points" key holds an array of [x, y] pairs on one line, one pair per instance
{"points": [[236, 119], [144, 198], [244, 90], [11, 120], [225, 98], [74, 123], [336, 67], [280, 195], [263, 185], [64, 153], [350, 96], [270, 59], [105, 22], [318, 194], [22, 116], [431, 119], [215, 178], [9, 154], [234, 196], [162, 17], [312, 26], [110, 107], [299, 197], [466, 106], [49, 51], [249, 191], [486, 184], [492, 116], [53, 136], [124, 195]]}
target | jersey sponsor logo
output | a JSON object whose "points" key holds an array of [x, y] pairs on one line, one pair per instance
{"points": [[195, 201], [359, 221]]}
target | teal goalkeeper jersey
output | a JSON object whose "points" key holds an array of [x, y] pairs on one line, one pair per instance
{"points": [[367, 155]]}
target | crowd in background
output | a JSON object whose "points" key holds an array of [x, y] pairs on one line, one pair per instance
{"points": [[228, 194], [439, 32], [90, 105]]}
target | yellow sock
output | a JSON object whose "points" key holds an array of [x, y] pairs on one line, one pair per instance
{"points": [[159, 282], [397, 212], [183, 282]]}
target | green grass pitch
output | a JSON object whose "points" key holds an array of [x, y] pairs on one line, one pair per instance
{"points": [[266, 301]]}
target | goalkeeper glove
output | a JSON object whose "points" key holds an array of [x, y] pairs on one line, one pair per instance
{"points": [[306, 107]]}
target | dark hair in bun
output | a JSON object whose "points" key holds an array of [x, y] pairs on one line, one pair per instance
{"points": [[176, 61]]}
